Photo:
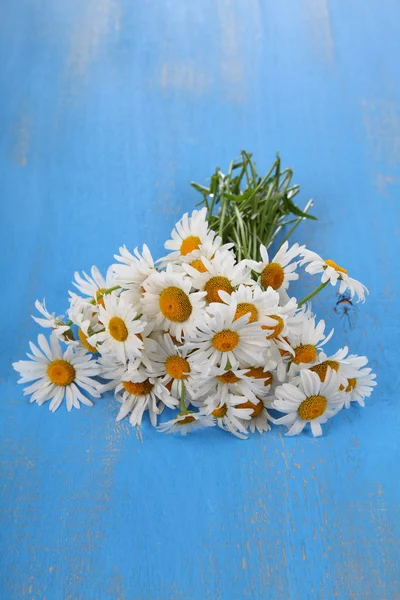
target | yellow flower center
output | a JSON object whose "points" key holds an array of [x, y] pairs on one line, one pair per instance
{"points": [[322, 368], [225, 340], [186, 420], [332, 264], [244, 308], [175, 305], [60, 372], [275, 330], [312, 408], [351, 384], [138, 389], [272, 276], [189, 244], [219, 413], [99, 296], [259, 373], [257, 408], [214, 285], [228, 377], [177, 367], [199, 266], [117, 329], [84, 341], [305, 354]]}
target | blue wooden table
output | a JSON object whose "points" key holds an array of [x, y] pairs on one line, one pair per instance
{"points": [[108, 109]]}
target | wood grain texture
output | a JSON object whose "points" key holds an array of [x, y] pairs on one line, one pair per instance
{"points": [[109, 108]]}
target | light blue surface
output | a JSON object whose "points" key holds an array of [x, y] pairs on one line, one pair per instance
{"points": [[108, 109]]}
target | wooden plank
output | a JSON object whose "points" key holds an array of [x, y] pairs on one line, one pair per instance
{"points": [[109, 109]]}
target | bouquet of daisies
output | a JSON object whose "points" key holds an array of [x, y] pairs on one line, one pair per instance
{"points": [[210, 330]]}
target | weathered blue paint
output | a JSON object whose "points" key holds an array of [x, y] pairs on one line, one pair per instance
{"points": [[108, 109]]}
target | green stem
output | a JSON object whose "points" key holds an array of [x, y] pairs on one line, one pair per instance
{"points": [[182, 401], [313, 293], [108, 291]]}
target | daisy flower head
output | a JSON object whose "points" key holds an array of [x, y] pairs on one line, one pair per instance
{"points": [[332, 273], [133, 271], [259, 415], [222, 340], [338, 362], [309, 401], [172, 364], [121, 334], [50, 320], [95, 284], [221, 273], [304, 346], [58, 375], [213, 383], [138, 391], [360, 385], [226, 414], [185, 422], [280, 270], [258, 304], [187, 237], [169, 303]]}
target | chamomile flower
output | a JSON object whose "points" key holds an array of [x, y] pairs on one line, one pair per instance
{"points": [[258, 304], [211, 385], [305, 345], [333, 273], [50, 320], [169, 303], [337, 362], [221, 273], [360, 385], [172, 364], [57, 374], [138, 391], [133, 271], [309, 401], [278, 272], [122, 329], [93, 286], [187, 237], [185, 422], [226, 414], [259, 415], [220, 339]]}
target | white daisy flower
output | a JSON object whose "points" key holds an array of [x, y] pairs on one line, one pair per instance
{"points": [[50, 320], [258, 304], [95, 285], [222, 340], [305, 346], [333, 273], [360, 385], [226, 414], [133, 272], [259, 416], [185, 422], [206, 250], [138, 392], [310, 401], [187, 237], [221, 273], [213, 383], [338, 363], [169, 304], [172, 364], [278, 272], [122, 329], [57, 374]]}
